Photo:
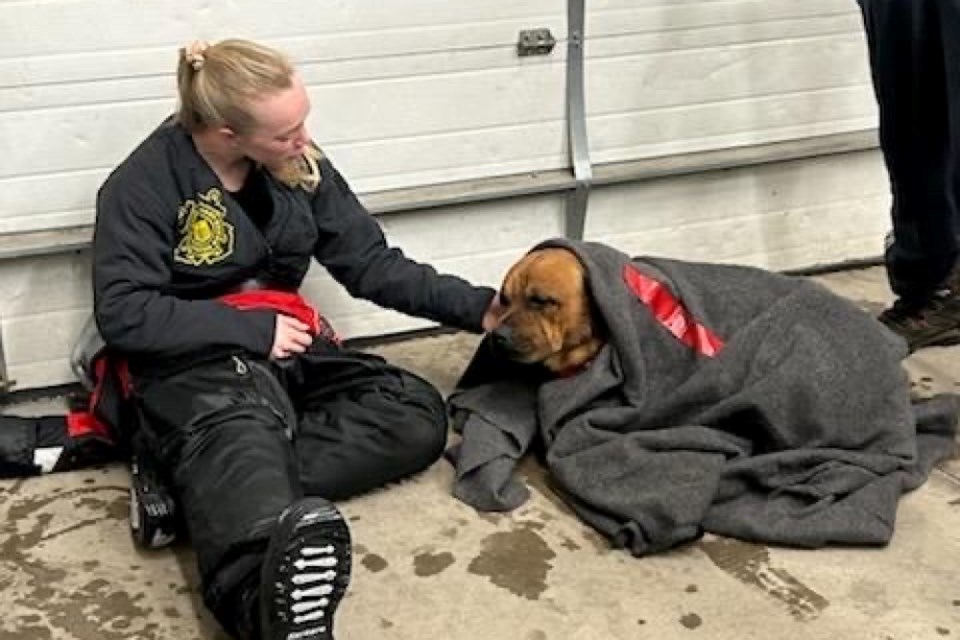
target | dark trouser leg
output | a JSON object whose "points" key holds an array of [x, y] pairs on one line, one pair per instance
{"points": [[950, 35], [218, 431], [912, 46], [363, 423]]}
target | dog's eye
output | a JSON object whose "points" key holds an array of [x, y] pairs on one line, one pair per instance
{"points": [[539, 302]]}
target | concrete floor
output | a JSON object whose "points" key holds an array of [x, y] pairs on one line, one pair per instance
{"points": [[427, 566]]}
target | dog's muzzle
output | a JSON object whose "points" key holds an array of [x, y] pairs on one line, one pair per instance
{"points": [[502, 338]]}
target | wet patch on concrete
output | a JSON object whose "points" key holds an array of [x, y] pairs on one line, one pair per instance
{"points": [[538, 478], [28, 506], [385, 624], [870, 596], [430, 564], [516, 560], [450, 533], [102, 609], [374, 563], [30, 619], [923, 387], [569, 544], [28, 631], [116, 509], [691, 621], [554, 606], [599, 543], [492, 518], [750, 564], [97, 610], [11, 490], [536, 525], [5, 582], [544, 515], [691, 588]]}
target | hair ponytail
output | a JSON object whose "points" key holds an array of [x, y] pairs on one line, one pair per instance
{"points": [[215, 83]]}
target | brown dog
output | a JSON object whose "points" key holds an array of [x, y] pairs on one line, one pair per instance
{"points": [[548, 315]]}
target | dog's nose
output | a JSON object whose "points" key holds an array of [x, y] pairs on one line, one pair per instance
{"points": [[501, 337]]}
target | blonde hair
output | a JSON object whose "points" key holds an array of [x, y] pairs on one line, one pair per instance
{"points": [[304, 171], [216, 83]]}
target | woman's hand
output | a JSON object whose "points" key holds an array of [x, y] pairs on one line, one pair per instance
{"points": [[491, 319], [290, 336]]}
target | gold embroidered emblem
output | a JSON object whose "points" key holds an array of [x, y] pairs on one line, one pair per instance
{"points": [[206, 237]]}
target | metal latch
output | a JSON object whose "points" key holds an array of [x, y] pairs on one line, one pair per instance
{"points": [[535, 42]]}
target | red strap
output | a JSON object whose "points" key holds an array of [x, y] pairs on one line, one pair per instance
{"points": [[83, 423], [671, 314], [287, 303]]}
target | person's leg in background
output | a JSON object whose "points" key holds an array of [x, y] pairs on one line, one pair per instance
{"points": [[222, 431], [950, 36], [916, 86]]}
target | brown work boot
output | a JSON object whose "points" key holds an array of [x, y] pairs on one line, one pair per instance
{"points": [[932, 322]]}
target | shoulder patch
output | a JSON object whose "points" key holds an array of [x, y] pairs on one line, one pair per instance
{"points": [[205, 235]]}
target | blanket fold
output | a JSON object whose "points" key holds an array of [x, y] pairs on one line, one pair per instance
{"points": [[730, 399]]}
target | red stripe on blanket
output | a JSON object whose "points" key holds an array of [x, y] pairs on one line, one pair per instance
{"points": [[671, 314]]}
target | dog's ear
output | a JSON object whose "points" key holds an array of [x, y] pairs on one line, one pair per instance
{"points": [[596, 316], [591, 325]]}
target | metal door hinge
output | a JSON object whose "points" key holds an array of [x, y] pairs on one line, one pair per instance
{"points": [[6, 384], [535, 42]]}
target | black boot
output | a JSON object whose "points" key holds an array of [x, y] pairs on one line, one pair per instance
{"points": [[305, 572], [930, 321]]}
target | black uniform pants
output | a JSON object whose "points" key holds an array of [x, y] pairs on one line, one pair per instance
{"points": [[915, 57], [241, 438]]}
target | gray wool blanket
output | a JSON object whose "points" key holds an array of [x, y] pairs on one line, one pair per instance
{"points": [[758, 406]]}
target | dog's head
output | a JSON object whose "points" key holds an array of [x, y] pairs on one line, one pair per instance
{"points": [[548, 314]]}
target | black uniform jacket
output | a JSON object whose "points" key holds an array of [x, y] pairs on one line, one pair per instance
{"points": [[169, 239]]}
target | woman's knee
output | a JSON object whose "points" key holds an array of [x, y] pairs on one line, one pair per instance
{"points": [[424, 440], [425, 422]]}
